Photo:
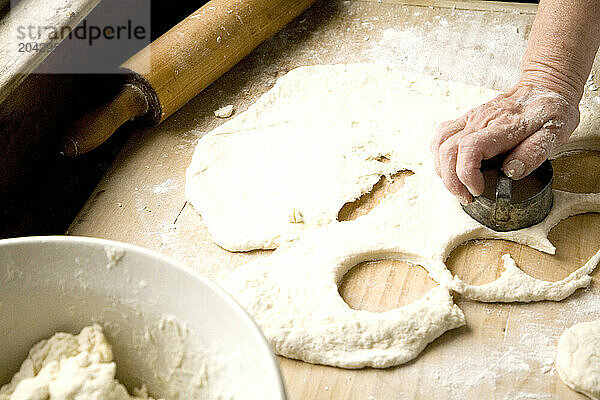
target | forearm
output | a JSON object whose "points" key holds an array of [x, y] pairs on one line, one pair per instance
{"points": [[562, 45]]}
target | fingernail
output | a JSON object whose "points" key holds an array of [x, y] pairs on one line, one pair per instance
{"points": [[463, 200], [476, 192], [514, 169]]}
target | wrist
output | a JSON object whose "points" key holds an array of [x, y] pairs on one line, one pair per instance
{"points": [[554, 78]]}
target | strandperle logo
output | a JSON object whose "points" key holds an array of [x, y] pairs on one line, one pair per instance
{"points": [[83, 31], [92, 41]]}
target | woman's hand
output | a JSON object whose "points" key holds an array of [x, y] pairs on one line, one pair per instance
{"points": [[538, 114], [526, 123]]}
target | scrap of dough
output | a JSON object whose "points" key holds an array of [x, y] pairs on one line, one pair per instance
{"points": [[67, 367], [224, 112], [114, 255], [516, 285], [321, 130], [577, 358]]}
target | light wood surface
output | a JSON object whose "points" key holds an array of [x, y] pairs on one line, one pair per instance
{"points": [[177, 66], [506, 350], [205, 45]]}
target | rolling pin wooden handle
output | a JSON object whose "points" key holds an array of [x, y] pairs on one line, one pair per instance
{"points": [[94, 128], [184, 61]]}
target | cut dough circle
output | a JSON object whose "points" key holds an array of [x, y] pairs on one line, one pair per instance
{"points": [[577, 358]]}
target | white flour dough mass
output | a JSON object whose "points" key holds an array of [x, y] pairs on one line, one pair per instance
{"points": [[312, 143], [577, 358], [68, 367], [278, 174], [293, 295], [322, 137]]}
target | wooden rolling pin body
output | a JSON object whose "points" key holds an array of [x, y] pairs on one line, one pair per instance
{"points": [[180, 64]]}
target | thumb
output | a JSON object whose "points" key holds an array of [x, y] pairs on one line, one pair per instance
{"points": [[532, 152]]}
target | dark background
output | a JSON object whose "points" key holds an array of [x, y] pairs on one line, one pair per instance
{"points": [[41, 192]]}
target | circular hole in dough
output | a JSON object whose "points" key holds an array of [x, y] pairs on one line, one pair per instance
{"points": [[478, 262], [367, 286], [572, 172]]}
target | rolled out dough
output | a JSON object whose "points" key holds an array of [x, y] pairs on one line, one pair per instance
{"points": [[312, 143], [294, 297], [577, 358], [321, 137]]}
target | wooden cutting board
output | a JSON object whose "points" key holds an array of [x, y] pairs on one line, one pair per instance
{"points": [[506, 350]]}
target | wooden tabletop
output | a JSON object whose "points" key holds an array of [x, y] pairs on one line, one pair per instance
{"points": [[506, 350]]}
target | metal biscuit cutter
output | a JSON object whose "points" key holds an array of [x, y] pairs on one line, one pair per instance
{"points": [[508, 205]]}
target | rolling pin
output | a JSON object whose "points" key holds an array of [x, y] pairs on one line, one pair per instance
{"points": [[170, 71]]}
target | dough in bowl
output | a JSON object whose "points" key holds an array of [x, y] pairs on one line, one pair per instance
{"points": [[67, 367]]}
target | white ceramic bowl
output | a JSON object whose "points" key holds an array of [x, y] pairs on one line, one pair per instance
{"points": [[153, 311]]}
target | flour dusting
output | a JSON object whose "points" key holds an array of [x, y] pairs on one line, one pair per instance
{"points": [[165, 187], [114, 255], [500, 45]]}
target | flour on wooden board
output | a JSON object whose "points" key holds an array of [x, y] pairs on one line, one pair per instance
{"points": [[165, 187], [335, 130]]}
